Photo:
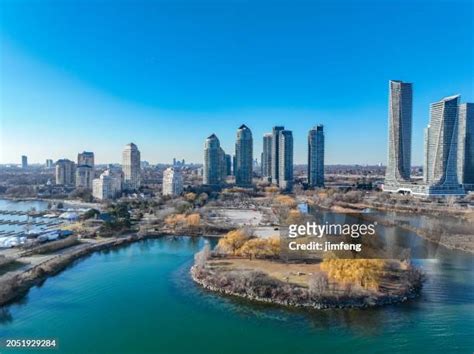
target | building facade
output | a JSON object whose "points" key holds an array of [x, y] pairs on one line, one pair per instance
{"points": [[285, 166], [466, 146], [85, 158], [214, 169], [275, 158], [399, 132], [49, 163], [131, 167], [266, 159], [84, 176], [108, 186], [85, 170], [172, 182], [228, 165], [244, 156], [316, 157], [24, 161], [66, 173], [441, 148]]}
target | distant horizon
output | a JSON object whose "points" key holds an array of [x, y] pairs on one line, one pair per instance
{"points": [[76, 76]]}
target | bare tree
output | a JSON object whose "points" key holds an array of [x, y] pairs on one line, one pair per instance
{"points": [[318, 284], [202, 256]]}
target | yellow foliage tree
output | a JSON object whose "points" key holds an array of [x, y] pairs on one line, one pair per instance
{"points": [[294, 217], [272, 189], [232, 241], [274, 242], [364, 272], [175, 220], [260, 248], [286, 200], [193, 219]]}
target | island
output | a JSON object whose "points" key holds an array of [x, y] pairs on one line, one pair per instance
{"points": [[249, 267]]}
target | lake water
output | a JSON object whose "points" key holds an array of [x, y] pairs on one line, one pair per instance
{"points": [[140, 298]]}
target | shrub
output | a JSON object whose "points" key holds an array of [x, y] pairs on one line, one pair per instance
{"points": [[285, 200]]}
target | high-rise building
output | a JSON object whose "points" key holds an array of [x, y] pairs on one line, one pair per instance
{"points": [[285, 166], [85, 158], [66, 172], [234, 165], [108, 185], [24, 161], [267, 155], [316, 157], [131, 167], [85, 170], [399, 132], [172, 182], [228, 165], [244, 156], [214, 171], [275, 157], [441, 144], [84, 176], [49, 163], [466, 145]]}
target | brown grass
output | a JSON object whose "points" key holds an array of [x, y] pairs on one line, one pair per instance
{"points": [[292, 273]]}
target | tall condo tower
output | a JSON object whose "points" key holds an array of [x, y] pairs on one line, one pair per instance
{"points": [[267, 155], [65, 172], [85, 170], [24, 161], [441, 144], [285, 165], [131, 167], [275, 157], [214, 171], [399, 132], [244, 156], [316, 157], [466, 145]]}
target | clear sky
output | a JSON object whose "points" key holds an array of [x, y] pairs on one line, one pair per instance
{"points": [[94, 75]]}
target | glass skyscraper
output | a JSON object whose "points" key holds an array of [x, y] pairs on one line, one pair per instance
{"points": [[316, 157], [399, 131], [244, 157]]}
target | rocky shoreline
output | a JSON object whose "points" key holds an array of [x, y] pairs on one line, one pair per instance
{"points": [[279, 296]]}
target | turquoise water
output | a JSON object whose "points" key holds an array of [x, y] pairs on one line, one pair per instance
{"points": [[140, 299]]}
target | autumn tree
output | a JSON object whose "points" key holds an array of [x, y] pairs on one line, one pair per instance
{"points": [[193, 220], [286, 200], [366, 273], [232, 241], [294, 217]]}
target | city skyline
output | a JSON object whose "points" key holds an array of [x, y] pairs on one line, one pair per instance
{"points": [[258, 70]]}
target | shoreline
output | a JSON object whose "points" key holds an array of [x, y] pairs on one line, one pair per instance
{"points": [[465, 246], [15, 287], [72, 202], [349, 303]]}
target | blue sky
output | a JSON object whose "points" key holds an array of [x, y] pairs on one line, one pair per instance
{"points": [[95, 75]]}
